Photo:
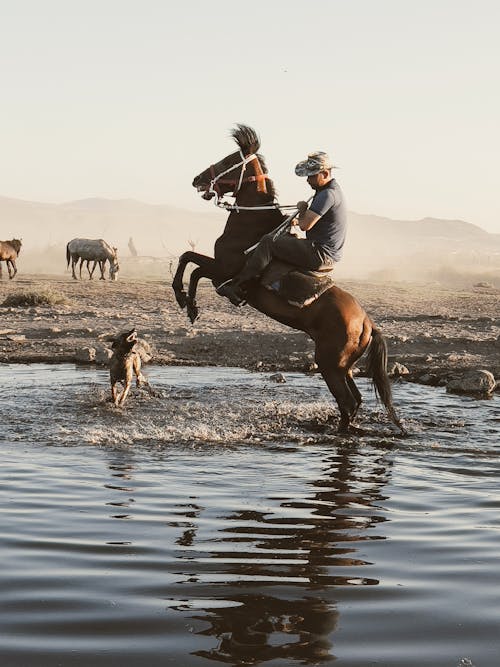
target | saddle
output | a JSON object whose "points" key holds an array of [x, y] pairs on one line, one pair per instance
{"points": [[298, 287]]}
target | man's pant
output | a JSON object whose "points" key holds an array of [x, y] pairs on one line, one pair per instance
{"points": [[288, 248]]}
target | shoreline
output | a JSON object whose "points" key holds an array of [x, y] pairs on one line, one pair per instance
{"points": [[435, 332]]}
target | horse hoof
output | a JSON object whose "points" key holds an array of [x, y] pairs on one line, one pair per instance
{"points": [[181, 298], [193, 313]]}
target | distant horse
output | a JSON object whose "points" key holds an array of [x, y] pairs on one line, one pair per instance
{"points": [[9, 251], [336, 322], [96, 250]]}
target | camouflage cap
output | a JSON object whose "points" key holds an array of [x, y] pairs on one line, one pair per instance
{"points": [[315, 163]]}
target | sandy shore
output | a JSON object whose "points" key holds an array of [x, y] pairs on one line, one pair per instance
{"points": [[436, 332]]}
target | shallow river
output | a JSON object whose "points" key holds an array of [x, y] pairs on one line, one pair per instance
{"points": [[224, 521]]}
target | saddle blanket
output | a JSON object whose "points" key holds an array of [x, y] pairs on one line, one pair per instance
{"points": [[298, 287]]}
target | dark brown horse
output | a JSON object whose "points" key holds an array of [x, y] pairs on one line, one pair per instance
{"points": [[338, 325], [9, 250]]}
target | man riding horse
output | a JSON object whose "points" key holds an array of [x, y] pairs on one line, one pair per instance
{"points": [[341, 330], [324, 223]]}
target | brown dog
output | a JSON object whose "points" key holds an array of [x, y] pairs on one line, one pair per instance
{"points": [[123, 365]]}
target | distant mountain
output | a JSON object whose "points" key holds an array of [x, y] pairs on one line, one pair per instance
{"points": [[156, 230], [418, 248], [375, 245]]}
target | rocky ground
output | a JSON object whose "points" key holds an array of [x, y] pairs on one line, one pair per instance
{"points": [[437, 333]]}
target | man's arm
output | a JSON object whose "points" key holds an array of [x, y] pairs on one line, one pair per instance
{"points": [[306, 218]]}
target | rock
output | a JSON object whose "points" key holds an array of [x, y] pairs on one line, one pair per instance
{"points": [[430, 379], [484, 284], [103, 355], [85, 355], [397, 369], [145, 350], [476, 382], [312, 367], [278, 377]]}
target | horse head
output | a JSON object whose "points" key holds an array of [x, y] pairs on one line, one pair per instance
{"points": [[237, 170], [16, 244]]}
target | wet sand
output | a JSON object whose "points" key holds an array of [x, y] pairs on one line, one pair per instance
{"points": [[435, 331]]}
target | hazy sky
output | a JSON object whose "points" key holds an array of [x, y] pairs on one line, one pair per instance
{"points": [[132, 98]]}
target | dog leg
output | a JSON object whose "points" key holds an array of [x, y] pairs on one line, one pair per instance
{"points": [[114, 393], [140, 379], [124, 393]]}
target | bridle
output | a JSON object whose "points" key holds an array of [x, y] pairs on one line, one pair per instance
{"points": [[214, 192], [259, 177]]}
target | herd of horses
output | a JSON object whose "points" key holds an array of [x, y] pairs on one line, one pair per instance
{"points": [[96, 251], [340, 328]]}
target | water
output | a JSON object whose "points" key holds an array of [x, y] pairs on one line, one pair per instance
{"points": [[223, 521]]}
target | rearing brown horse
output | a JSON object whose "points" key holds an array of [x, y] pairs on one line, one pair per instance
{"points": [[338, 325]]}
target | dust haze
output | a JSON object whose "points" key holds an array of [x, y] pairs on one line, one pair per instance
{"points": [[150, 238]]}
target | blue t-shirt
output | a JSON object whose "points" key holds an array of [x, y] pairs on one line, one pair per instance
{"points": [[328, 233]]}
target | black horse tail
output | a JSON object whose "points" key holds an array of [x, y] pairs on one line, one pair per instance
{"points": [[376, 368], [68, 255]]}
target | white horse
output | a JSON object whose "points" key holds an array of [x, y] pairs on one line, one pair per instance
{"points": [[96, 250]]}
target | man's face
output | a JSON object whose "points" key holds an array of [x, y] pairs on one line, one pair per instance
{"points": [[318, 180]]}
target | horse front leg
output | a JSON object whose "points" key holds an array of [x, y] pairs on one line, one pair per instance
{"points": [[192, 308], [91, 270], [178, 281]]}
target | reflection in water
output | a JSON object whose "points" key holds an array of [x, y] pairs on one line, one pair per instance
{"points": [[264, 628], [307, 544]]}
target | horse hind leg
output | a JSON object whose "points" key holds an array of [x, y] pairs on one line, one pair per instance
{"points": [[354, 391], [335, 375]]}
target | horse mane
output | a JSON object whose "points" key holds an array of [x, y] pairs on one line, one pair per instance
{"points": [[249, 142], [247, 138]]}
